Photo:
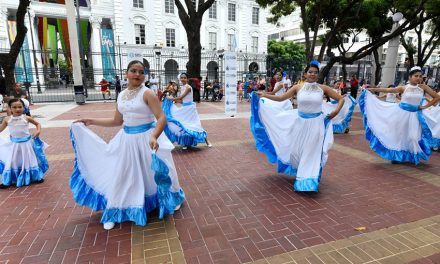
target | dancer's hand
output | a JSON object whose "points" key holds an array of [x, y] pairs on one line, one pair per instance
{"points": [[153, 143], [421, 107], [36, 134], [85, 121], [170, 98], [260, 94], [331, 115]]}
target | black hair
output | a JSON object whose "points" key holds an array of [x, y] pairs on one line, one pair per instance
{"points": [[184, 73], [133, 62], [414, 71], [15, 100], [311, 65]]}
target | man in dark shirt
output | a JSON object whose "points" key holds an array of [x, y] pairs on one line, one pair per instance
{"points": [[17, 93], [118, 87]]}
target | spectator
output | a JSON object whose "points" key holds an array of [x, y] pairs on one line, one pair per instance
{"points": [[154, 83], [118, 87], [206, 84], [287, 83], [272, 84], [18, 93], [354, 86], [431, 82], [105, 88], [262, 83]]}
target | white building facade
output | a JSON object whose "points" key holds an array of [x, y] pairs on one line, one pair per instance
{"points": [[151, 31]]}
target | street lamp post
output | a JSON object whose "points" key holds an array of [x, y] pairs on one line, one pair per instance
{"points": [[158, 53], [120, 62], [37, 76]]}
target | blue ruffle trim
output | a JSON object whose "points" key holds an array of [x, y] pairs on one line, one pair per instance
{"points": [[263, 144], [188, 137], [22, 177], [434, 142], [164, 199], [397, 155], [340, 128]]}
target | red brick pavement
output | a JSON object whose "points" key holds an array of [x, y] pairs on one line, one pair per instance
{"points": [[238, 209]]}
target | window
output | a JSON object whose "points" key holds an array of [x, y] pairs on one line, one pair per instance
{"points": [[231, 41], [355, 39], [212, 40], [139, 33], [169, 6], [138, 3], [213, 11], [255, 15], [254, 46], [345, 40], [171, 37], [231, 12]]}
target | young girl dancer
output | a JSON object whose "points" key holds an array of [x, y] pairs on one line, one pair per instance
{"points": [[341, 122], [398, 132], [22, 159], [183, 123], [134, 173], [297, 140], [432, 117]]}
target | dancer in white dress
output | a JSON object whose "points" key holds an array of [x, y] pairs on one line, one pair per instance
{"points": [[278, 90], [22, 159], [398, 132], [297, 140], [183, 123], [134, 173], [341, 122], [432, 117]]}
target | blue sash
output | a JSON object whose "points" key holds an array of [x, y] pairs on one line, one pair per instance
{"points": [[308, 115], [139, 129], [409, 107], [21, 140], [187, 103]]}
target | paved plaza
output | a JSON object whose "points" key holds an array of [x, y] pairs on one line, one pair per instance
{"points": [[238, 209]]}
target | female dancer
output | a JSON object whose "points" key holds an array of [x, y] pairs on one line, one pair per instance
{"points": [[183, 123], [297, 140], [134, 173], [432, 117], [398, 132], [341, 122], [279, 90], [22, 159]]}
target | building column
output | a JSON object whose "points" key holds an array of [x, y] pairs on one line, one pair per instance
{"points": [[4, 39], [95, 46]]}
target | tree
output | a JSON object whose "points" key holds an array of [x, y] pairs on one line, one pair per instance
{"points": [[286, 52], [347, 15], [191, 18], [7, 60]]}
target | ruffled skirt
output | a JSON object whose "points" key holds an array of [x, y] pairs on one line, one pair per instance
{"points": [[124, 178], [432, 117], [393, 133], [299, 146], [183, 124], [341, 121], [22, 163]]}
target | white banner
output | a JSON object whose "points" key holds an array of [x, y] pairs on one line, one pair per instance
{"points": [[230, 83], [134, 55]]}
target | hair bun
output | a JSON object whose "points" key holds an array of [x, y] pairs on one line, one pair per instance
{"points": [[415, 68]]}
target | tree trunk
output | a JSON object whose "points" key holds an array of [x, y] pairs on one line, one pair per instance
{"points": [[195, 52], [8, 69], [344, 71], [326, 70], [378, 68]]}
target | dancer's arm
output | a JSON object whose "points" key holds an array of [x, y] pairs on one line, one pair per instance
{"points": [[400, 89], [335, 96], [435, 96], [187, 91], [36, 124], [105, 122], [4, 123], [287, 95], [151, 100]]}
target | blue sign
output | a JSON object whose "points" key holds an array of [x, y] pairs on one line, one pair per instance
{"points": [[108, 54]]}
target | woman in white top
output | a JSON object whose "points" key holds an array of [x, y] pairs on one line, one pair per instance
{"points": [[399, 132], [183, 123], [134, 173], [297, 140]]}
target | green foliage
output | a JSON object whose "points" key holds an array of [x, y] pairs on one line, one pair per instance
{"points": [[287, 53]]}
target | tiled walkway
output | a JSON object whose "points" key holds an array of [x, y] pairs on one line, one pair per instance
{"points": [[238, 210]]}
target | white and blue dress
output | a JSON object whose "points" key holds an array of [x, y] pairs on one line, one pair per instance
{"points": [[183, 123], [396, 132], [22, 158], [297, 140], [125, 178], [432, 117], [342, 120]]}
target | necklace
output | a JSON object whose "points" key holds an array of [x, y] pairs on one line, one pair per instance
{"points": [[129, 94]]}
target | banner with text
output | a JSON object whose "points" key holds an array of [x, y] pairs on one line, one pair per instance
{"points": [[230, 84]]}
